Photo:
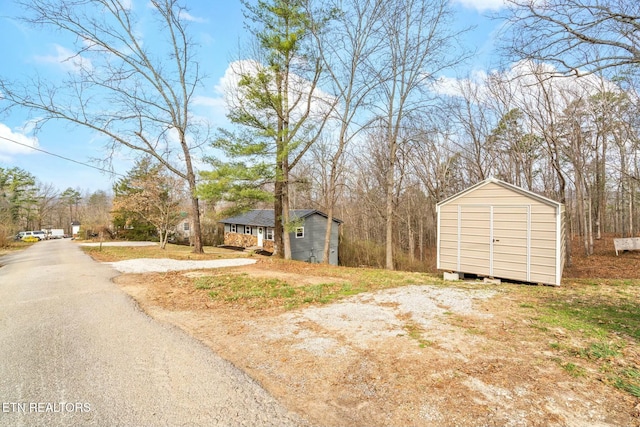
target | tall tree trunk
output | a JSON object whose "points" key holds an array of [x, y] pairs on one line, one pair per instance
{"points": [[326, 253], [331, 195], [631, 228], [196, 231], [278, 232], [389, 204], [411, 237], [421, 237], [590, 223], [286, 238]]}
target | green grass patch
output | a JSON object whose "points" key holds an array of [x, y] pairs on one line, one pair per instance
{"points": [[556, 345], [342, 282], [180, 252], [574, 370], [600, 350], [203, 283], [593, 325], [415, 332], [265, 292], [260, 292], [629, 381], [596, 312]]}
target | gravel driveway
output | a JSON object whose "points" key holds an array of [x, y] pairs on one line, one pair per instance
{"points": [[77, 351]]}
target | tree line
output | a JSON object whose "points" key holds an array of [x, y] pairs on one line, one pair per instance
{"points": [[28, 204], [341, 106]]}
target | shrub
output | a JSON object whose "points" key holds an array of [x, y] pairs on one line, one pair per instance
{"points": [[5, 237]]}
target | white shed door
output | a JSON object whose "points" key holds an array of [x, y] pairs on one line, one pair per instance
{"points": [[510, 242], [474, 237], [494, 241]]}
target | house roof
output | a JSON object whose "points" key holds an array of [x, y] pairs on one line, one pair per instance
{"points": [[504, 184], [266, 218]]}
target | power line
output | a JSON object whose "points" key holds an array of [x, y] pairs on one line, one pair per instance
{"points": [[61, 157]]}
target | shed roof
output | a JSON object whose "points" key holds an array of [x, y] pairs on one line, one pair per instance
{"points": [[266, 217], [506, 185]]}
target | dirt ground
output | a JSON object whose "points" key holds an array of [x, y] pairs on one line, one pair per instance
{"points": [[419, 355]]}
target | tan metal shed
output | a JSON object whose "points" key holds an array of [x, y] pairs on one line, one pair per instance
{"points": [[496, 229]]}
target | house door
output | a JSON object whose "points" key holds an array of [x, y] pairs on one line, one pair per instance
{"points": [[260, 236]]}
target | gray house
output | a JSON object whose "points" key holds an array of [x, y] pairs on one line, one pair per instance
{"points": [[256, 229]]}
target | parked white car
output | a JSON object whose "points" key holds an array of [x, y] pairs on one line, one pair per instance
{"points": [[40, 235]]}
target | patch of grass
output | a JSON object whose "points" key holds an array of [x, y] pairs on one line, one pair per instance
{"points": [[629, 381], [631, 373], [574, 370], [374, 279], [599, 318], [600, 350], [12, 246], [596, 313], [555, 345], [259, 292], [202, 283], [415, 332], [566, 318], [265, 292], [181, 252]]}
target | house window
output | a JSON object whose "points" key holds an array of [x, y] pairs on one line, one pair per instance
{"points": [[185, 226], [269, 234], [299, 232], [233, 228], [247, 229]]}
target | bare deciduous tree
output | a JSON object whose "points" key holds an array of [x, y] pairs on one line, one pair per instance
{"points": [[416, 46], [346, 47], [577, 35], [137, 95], [151, 195]]}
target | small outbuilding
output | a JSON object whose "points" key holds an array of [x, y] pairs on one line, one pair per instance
{"points": [[75, 228], [496, 229], [256, 228]]}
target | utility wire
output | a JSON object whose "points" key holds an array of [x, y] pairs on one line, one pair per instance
{"points": [[61, 157]]}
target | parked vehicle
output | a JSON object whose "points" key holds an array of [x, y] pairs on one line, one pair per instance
{"points": [[38, 234], [55, 233]]}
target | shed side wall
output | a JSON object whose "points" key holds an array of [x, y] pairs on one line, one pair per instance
{"points": [[448, 242]]}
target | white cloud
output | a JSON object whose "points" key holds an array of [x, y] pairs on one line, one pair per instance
{"points": [[65, 59], [299, 88], [15, 142], [189, 17], [522, 81], [482, 5], [452, 86]]}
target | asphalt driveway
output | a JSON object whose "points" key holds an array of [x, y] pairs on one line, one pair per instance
{"points": [[77, 351]]}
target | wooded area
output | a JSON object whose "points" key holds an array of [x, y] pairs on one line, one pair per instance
{"points": [[342, 106]]}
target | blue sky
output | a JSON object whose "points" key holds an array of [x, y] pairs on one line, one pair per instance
{"points": [[217, 26]]}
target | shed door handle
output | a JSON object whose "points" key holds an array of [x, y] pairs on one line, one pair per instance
{"points": [[496, 240]]}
